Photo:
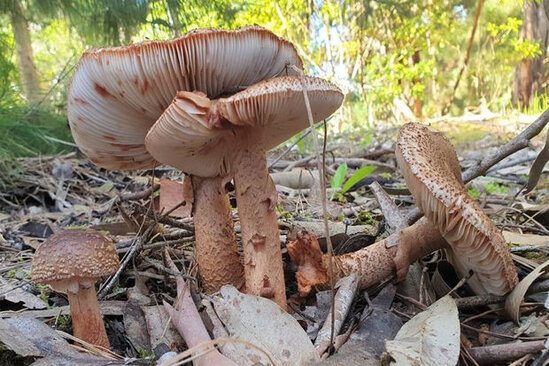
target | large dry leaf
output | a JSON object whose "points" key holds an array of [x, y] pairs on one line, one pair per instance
{"points": [[537, 167], [159, 327], [346, 291], [430, 338], [16, 295], [513, 301], [263, 323]]}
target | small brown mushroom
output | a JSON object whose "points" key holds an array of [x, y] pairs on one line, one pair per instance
{"points": [[431, 169], [231, 136], [71, 261]]}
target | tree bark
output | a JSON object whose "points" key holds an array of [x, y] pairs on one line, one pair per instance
{"points": [[530, 77], [27, 68]]}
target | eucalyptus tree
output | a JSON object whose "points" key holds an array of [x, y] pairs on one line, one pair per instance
{"points": [[30, 82]]}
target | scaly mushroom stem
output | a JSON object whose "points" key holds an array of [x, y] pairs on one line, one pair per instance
{"points": [[87, 322], [372, 264], [256, 199], [216, 248]]}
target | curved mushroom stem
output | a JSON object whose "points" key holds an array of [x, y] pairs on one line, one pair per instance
{"points": [[256, 199], [216, 248], [87, 322], [372, 264]]}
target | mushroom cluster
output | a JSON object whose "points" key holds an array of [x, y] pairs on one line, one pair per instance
{"points": [[231, 105], [71, 262]]}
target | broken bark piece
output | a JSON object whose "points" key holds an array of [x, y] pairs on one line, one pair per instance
{"points": [[373, 264]]}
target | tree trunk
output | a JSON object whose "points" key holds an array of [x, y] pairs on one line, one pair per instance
{"points": [[416, 103], [173, 14], [27, 69], [530, 77]]}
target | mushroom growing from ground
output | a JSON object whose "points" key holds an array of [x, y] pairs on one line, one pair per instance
{"points": [[118, 93], [232, 136], [431, 169], [71, 261], [453, 221]]}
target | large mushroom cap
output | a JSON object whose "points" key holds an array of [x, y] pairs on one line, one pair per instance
{"points": [[271, 111], [117, 93], [71, 256], [430, 167]]}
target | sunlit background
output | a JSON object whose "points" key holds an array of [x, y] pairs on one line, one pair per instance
{"points": [[394, 59]]}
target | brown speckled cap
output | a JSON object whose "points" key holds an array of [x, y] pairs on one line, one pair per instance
{"points": [[272, 111], [74, 255], [118, 93], [431, 169]]}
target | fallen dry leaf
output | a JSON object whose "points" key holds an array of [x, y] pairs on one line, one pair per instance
{"points": [[431, 338], [537, 167], [263, 323], [513, 301]]}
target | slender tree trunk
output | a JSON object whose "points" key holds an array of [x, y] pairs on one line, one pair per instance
{"points": [[173, 13], [27, 68], [417, 103], [530, 76], [478, 11]]}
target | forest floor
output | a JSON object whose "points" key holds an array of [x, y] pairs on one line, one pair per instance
{"points": [[42, 195]]}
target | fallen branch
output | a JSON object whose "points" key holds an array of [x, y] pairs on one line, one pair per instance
{"points": [[139, 195], [501, 353], [187, 320]]}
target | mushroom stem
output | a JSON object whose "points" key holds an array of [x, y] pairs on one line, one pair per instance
{"points": [[256, 199], [372, 264], [87, 322], [216, 248]]}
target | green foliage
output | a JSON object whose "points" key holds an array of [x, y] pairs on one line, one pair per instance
{"points": [[495, 188], [379, 51], [365, 218], [63, 320], [357, 177], [339, 176], [25, 131], [43, 289], [11, 273], [473, 192]]}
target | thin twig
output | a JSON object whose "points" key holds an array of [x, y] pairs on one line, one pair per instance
{"points": [[138, 242]]}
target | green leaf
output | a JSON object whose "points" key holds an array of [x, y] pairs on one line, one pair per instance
{"points": [[357, 177], [339, 176]]}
